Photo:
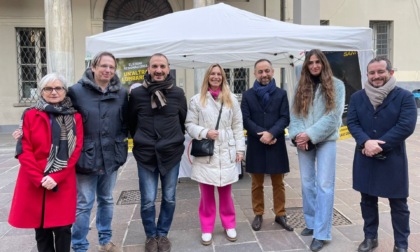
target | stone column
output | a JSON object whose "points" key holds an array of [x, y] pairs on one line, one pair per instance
{"points": [[306, 12], [59, 35]]}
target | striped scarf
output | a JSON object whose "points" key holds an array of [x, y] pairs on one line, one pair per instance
{"points": [[63, 127], [157, 90]]}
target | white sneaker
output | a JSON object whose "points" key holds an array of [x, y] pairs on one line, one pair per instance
{"points": [[206, 238], [231, 234]]}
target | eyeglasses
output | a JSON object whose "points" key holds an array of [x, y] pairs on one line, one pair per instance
{"points": [[51, 89], [107, 66]]}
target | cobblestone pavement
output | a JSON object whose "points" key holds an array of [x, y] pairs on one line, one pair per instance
{"points": [[185, 232]]}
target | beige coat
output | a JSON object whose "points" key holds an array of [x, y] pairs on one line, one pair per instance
{"points": [[219, 169]]}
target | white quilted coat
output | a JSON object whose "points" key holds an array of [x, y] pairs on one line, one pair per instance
{"points": [[219, 169]]}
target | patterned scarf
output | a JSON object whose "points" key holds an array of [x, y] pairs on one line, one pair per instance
{"points": [[378, 94], [157, 89], [63, 127], [264, 91]]}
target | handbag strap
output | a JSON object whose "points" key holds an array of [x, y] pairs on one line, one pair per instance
{"points": [[218, 119]]}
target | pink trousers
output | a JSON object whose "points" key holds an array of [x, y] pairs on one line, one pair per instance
{"points": [[207, 208]]}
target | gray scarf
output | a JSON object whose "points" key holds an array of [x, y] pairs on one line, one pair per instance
{"points": [[378, 94]]}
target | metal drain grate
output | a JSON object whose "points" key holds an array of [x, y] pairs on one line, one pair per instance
{"points": [[133, 197], [296, 219]]}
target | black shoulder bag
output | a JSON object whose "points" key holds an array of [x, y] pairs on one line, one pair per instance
{"points": [[205, 147]]}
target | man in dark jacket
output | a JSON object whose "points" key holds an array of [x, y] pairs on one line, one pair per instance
{"points": [[265, 111], [157, 112], [103, 103], [380, 117]]}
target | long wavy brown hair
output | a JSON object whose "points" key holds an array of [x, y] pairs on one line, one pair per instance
{"points": [[305, 92], [224, 88]]}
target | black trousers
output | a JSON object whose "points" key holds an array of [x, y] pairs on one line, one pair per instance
{"points": [[56, 239], [400, 216]]}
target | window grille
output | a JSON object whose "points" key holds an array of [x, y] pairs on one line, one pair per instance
{"points": [[119, 13], [382, 42], [237, 79], [324, 22], [31, 62]]}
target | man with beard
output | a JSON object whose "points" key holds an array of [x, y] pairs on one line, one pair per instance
{"points": [[265, 111], [380, 117], [157, 112]]}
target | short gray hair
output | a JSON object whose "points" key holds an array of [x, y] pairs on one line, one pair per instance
{"points": [[51, 77]]}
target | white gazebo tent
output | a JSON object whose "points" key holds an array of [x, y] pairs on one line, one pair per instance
{"points": [[232, 37]]}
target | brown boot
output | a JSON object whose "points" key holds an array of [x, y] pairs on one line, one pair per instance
{"points": [[151, 244], [164, 245]]}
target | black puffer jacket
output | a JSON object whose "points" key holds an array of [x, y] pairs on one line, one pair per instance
{"points": [[158, 134], [104, 122]]}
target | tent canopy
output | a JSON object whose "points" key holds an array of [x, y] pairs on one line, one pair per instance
{"points": [[227, 35]]}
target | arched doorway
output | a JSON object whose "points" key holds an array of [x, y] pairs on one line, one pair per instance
{"points": [[119, 13]]}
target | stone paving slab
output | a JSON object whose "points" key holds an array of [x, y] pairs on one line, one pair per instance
{"points": [[186, 234]]}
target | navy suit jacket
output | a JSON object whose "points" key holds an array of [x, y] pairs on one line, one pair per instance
{"points": [[274, 118]]}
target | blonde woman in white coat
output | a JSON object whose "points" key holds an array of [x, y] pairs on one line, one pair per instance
{"points": [[219, 170]]}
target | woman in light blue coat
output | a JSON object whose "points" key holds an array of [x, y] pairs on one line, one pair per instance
{"points": [[314, 128]]}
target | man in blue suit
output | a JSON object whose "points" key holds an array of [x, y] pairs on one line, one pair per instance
{"points": [[380, 117], [265, 111]]}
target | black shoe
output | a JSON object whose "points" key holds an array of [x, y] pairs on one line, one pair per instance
{"points": [[367, 245], [256, 224], [317, 245], [397, 249], [307, 232], [282, 220]]}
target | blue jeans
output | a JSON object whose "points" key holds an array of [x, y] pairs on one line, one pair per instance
{"points": [[317, 173], [148, 183], [87, 187]]}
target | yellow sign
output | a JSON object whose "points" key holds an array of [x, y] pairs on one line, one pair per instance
{"points": [[131, 70], [344, 133], [130, 145], [131, 76]]}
